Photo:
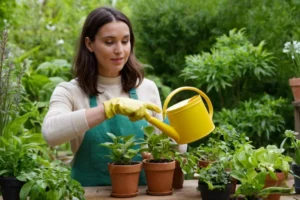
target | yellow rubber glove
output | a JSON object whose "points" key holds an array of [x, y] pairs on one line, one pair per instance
{"points": [[134, 109]]}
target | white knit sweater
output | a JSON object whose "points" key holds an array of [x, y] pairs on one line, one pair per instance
{"points": [[66, 120]]}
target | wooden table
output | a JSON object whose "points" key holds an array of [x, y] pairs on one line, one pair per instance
{"points": [[188, 192]]}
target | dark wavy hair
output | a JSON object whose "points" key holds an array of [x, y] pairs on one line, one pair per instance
{"points": [[85, 63]]}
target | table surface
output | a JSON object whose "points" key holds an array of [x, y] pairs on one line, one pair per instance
{"points": [[187, 192]]}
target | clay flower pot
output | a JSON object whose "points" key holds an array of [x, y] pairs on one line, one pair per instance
{"points": [[159, 177], [270, 182], [124, 179], [295, 86], [178, 177], [204, 163]]}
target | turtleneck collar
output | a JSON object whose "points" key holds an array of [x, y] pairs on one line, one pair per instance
{"points": [[109, 81]]}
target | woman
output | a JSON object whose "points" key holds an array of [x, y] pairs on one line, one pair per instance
{"points": [[109, 94]]}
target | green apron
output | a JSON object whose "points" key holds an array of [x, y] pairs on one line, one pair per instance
{"points": [[90, 164]]}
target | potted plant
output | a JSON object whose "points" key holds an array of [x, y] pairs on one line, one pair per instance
{"points": [[295, 145], [208, 153], [19, 148], [214, 182], [160, 169], [262, 172], [52, 180], [124, 173], [185, 165], [293, 51]]}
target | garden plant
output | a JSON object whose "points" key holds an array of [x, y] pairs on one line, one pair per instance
{"points": [[162, 150], [122, 169]]}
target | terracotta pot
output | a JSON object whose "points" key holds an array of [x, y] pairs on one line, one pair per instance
{"points": [[204, 163], [295, 86], [270, 182], [124, 179], [159, 177], [178, 177]]}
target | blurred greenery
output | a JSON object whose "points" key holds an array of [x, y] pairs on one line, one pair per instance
{"points": [[44, 34]]}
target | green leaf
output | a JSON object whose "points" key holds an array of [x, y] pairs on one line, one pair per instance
{"points": [[25, 190]]}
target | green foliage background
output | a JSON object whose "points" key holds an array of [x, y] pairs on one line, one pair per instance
{"points": [[44, 34]]}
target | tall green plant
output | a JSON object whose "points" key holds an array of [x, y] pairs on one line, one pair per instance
{"points": [[10, 86], [234, 62]]}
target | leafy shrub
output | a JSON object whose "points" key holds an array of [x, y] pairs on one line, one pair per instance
{"points": [[234, 63], [258, 119], [50, 181]]}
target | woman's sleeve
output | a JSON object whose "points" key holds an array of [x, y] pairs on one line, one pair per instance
{"points": [[62, 123]]}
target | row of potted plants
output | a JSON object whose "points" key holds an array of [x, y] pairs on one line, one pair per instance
{"points": [[262, 172]]}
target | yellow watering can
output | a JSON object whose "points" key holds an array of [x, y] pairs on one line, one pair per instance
{"points": [[189, 119]]}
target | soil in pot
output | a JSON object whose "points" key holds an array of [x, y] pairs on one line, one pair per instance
{"points": [[296, 171], [159, 177], [178, 177], [214, 194], [10, 188], [124, 179]]}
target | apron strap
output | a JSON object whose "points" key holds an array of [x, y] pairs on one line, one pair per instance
{"points": [[132, 93], [93, 99]]}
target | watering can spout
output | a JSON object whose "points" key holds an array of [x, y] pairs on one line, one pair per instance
{"points": [[165, 128]]}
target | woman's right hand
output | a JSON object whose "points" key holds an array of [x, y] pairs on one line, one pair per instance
{"points": [[134, 109]]}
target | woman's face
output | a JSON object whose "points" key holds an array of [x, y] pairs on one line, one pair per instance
{"points": [[111, 47]]}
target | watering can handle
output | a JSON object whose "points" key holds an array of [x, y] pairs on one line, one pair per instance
{"points": [[202, 94]]}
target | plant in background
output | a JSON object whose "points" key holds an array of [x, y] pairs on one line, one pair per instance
{"points": [[294, 144], [50, 181], [10, 86], [161, 147], [231, 64], [123, 149], [259, 119], [209, 152], [231, 137], [292, 49]]}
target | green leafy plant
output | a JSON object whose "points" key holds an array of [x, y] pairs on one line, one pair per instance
{"points": [[161, 147], [19, 153], [233, 61], [50, 181], [188, 162], [292, 49], [258, 118], [209, 152], [123, 148], [214, 175], [251, 166], [294, 144], [230, 136], [10, 86]]}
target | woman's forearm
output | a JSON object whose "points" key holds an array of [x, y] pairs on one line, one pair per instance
{"points": [[95, 116]]}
